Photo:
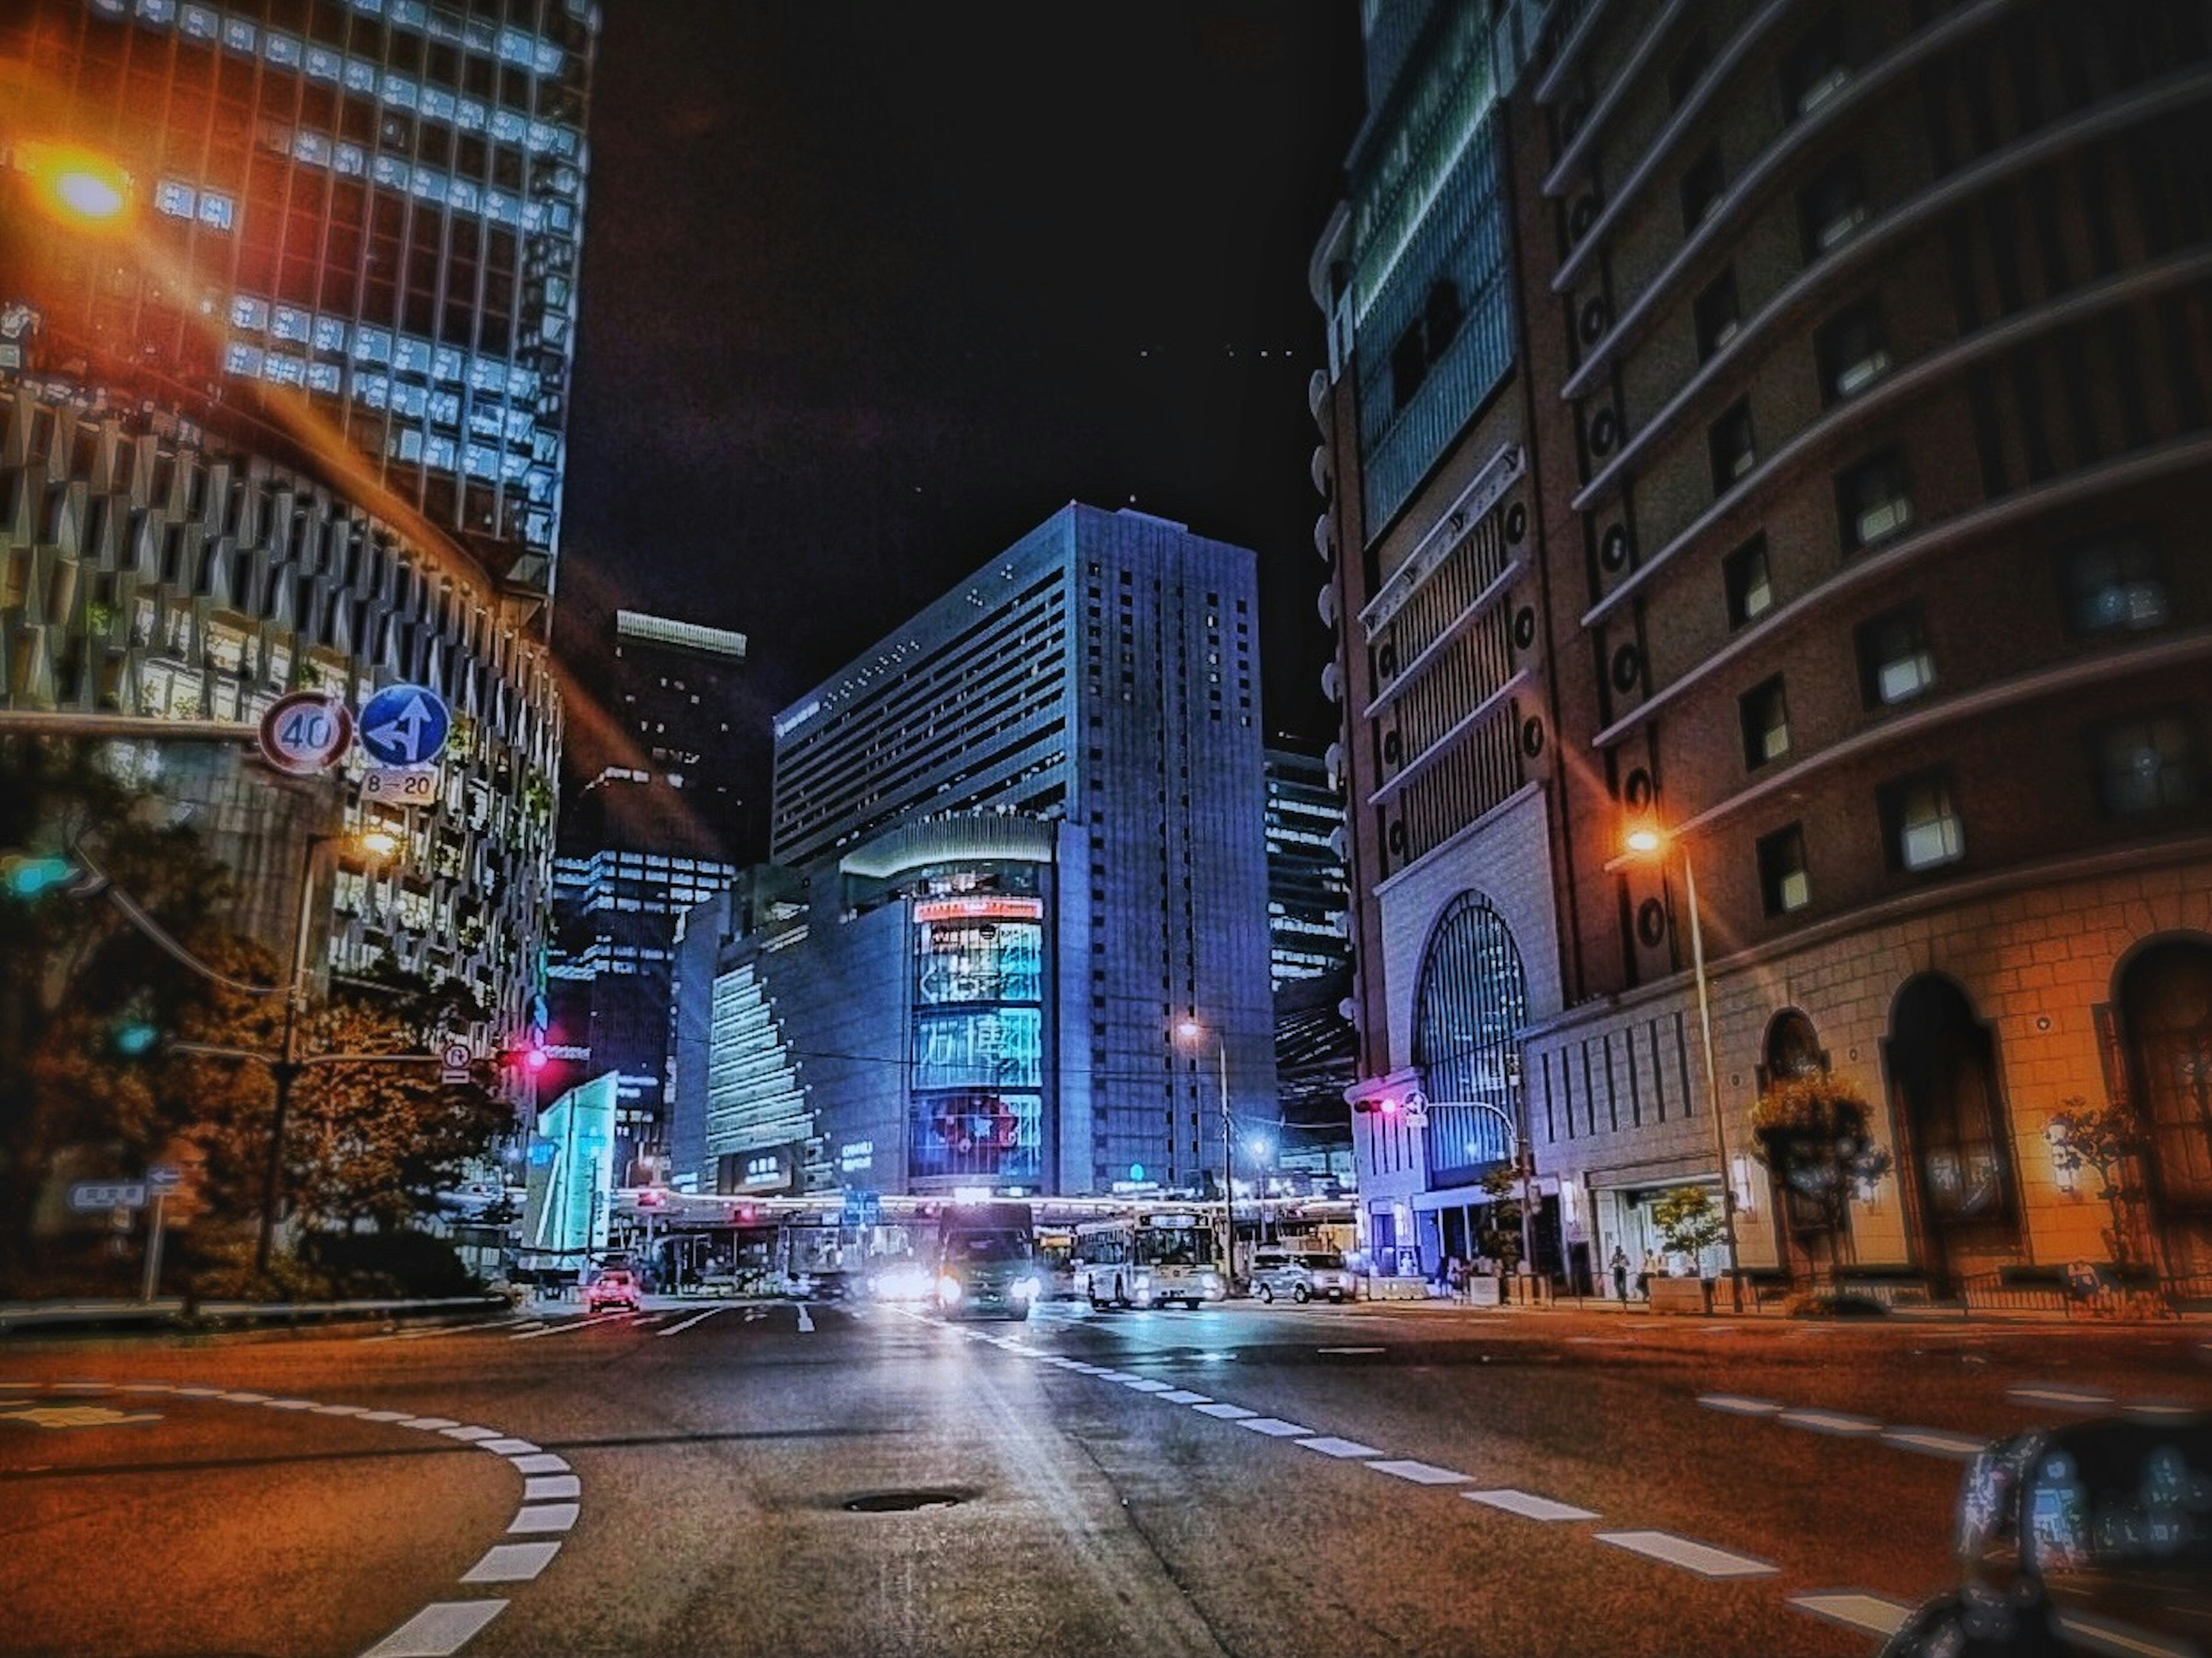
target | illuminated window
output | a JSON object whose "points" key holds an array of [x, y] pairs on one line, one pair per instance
{"points": [[1920, 823], [1816, 68], [1895, 663], [217, 211], [1750, 586], [1783, 883], [1717, 314], [177, 200], [1850, 350], [1765, 716], [1731, 446], [1872, 501], [1831, 207]]}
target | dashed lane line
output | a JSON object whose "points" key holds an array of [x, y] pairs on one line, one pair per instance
{"points": [[1685, 1552], [544, 1517], [568, 1325], [1877, 1614], [1224, 1412], [1274, 1427], [442, 1628], [507, 1563], [696, 1318], [806, 1324], [2080, 1399], [1183, 1396], [1530, 1506], [1934, 1442], [2106, 1635], [1829, 1421], [551, 1488], [1421, 1473], [1739, 1405]]}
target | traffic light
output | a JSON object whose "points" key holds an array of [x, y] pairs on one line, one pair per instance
{"points": [[1387, 1106], [27, 876], [132, 1035]]}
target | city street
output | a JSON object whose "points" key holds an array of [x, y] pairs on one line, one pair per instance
{"points": [[781, 1479]]}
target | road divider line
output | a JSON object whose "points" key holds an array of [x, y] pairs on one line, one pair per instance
{"points": [[1182, 1396], [1274, 1427], [544, 1517], [1877, 1614], [1738, 1405], [1352, 1350], [2108, 1635], [1330, 1445], [696, 1318], [568, 1325], [2084, 1399], [1829, 1422], [1530, 1506], [509, 1563], [1225, 1413], [503, 1447], [539, 1462], [551, 1488], [440, 1629], [1687, 1553], [806, 1324], [470, 1436], [1421, 1473], [1934, 1441]]}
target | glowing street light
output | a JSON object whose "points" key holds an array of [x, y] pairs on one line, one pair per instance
{"points": [[1646, 841], [76, 184], [1191, 1033]]}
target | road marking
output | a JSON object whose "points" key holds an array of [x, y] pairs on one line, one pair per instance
{"points": [[1877, 1614], [696, 1318], [550, 1516], [287, 1403], [2110, 1637], [366, 1416], [499, 1447], [806, 1324], [429, 1424], [1225, 1413], [1934, 1442], [75, 1416], [2080, 1398], [1274, 1427], [1421, 1474], [245, 1399], [1352, 1350], [470, 1436], [543, 1462], [510, 1562], [443, 1627], [551, 1487], [566, 1326], [1183, 1396], [341, 1410], [1829, 1421], [1144, 1384], [1329, 1445], [1702, 1559], [2158, 1409], [1529, 1506], [1116, 1375], [436, 1331], [1738, 1405]]}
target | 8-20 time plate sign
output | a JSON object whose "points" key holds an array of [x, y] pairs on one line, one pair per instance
{"points": [[304, 733]]}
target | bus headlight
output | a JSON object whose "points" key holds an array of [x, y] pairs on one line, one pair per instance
{"points": [[1144, 1280], [948, 1291], [1024, 1289]]}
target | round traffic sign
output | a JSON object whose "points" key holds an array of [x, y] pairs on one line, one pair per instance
{"points": [[304, 733], [456, 1056], [406, 725]]}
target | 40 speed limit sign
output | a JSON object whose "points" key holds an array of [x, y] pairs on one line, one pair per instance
{"points": [[304, 733]]}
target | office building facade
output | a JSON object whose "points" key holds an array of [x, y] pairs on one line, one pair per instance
{"points": [[1102, 673], [1306, 890], [292, 415]]}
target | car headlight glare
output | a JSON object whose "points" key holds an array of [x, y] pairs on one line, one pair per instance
{"points": [[948, 1291], [1024, 1289]]}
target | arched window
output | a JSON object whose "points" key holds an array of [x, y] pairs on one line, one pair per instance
{"points": [[1471, 1000], [1943, 1078], [2165, 1002], [1793, 1047]]}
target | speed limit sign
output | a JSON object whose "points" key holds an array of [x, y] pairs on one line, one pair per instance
{"points": [[304, 733]]}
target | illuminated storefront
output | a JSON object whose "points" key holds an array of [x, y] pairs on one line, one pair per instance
{"points": [[977, 1101]]}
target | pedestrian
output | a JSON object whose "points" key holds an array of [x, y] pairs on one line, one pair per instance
{"points": [[1620, 1264], [1652, 1267]]}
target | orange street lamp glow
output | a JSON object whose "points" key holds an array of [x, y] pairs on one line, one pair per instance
{"points": [[1646, 841], [78, 184], [378, 844], [88, 194]]}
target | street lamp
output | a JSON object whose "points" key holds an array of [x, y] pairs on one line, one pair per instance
{"points": [[1191, 1031], [1646, 841], [80, 185], [377, 843]]}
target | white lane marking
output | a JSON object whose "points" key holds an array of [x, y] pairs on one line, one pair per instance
{"points": [[1274, 1427], [1421, 1474], [1329, 1445], [1084, 1369], [443, 1627], [1115, 1375], [1225, 1412], [1739, 1405], [235, 1399], [366, 1416], [505, 1447], [1702, 1559], [566, 1326], [1829, 1421], [543, 1462], [696, 1318], [1934, 1441], [217, 1393], [2081, 1398], [1352, 1350], [470, 1436], [287, 1403], [1144, 1384], [545, 1517], [1877, 1614], [2107, 1635], [806, 1324], [439, 1330], [550, 1488], [429, 1424], [2158, 1409], [510, 1562], [1528, 1505], [341, 1410], [1183, 1396], [152, 1387]]}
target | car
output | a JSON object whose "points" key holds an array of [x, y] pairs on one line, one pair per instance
{"points": [[617, 1287], [1302, 1276]]}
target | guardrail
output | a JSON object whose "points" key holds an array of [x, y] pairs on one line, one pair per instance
{"points": [[206, 1314]]}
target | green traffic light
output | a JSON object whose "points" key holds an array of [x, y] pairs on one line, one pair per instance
{"points": [[27, 877], [136, 1039]]}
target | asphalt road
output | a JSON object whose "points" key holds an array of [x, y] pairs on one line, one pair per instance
{"points": [[789, 1480]]}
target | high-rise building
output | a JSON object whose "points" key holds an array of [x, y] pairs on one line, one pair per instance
{"points": [[284, 385], [654, 807], [1099, 677], [1305, 868]]}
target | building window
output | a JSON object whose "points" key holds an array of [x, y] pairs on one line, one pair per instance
{"points": [[1765, 713], [1703, 186], [1895, 664], [1816, 67], [2113, 585], [1733, 451], [1852, 351], [1689, 69], [1783, 883], [1833, 206], [2148, 764], [1425, 341], [1873, 501], [1717, 313], [1919, 823], [1750, 587]]}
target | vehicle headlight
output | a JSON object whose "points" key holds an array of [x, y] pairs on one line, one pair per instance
{"points": [[1209, 1281], [1024, 1289], [1144, 1280], [948, 1291]]}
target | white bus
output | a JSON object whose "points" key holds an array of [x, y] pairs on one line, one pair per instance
{"points": [[1148, 1260]]}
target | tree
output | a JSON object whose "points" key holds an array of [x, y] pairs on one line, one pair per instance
{"points": [[1812, 1131], [1501, 1215], [1689, 1220], [2109, 1141]]}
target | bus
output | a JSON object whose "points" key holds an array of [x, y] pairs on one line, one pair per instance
{"points": [[1148, 1260], [1056, 1262]]}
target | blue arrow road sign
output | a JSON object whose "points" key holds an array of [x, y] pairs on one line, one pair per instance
{"points": [[404, 726]]}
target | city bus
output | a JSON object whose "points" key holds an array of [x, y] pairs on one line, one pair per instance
{"points": [[1148, 1260]]}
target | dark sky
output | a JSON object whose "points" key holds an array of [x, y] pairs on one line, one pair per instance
{"points": [[871, 290]]}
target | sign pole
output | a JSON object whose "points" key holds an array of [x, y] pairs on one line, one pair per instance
{"points": [[152, 1285]]}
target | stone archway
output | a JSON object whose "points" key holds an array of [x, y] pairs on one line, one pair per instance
{"points": [[1471, 1003], [2165, 1016], [1954, 1131]]}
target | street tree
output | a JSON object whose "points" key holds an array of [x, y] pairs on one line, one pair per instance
{"points": [[1689, 1221], [2109, 1141]]}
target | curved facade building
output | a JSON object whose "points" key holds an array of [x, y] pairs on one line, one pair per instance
{"points": [[1879, 338], [295, 415]]}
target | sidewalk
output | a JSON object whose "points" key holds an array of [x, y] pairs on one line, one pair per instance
{"points": [[1951, 1316], [149, 1316]]}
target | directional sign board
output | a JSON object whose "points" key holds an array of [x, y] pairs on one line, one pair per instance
{"points": [[92, 1197], [304, 733], [164, 1177], [404, 726]]}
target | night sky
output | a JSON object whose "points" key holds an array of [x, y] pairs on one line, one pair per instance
{"points": [[871, 290]]}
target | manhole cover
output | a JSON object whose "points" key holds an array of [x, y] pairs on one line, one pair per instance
{"points": [[902, 1501]]}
